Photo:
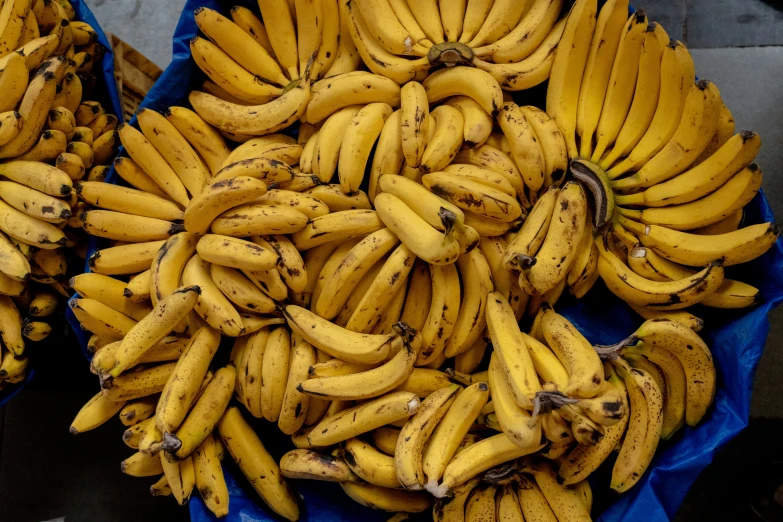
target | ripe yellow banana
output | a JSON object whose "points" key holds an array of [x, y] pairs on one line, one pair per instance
{"points": [[128, 201], [333, 94], [477, 283], [139, 383], [446, 140], [476, 12], [370, 465], [568, 68], [257, 464], [96, 412], [110, 292], [206, 140], [126, 259], [252, 25], [357, 143], [414, 120], [465, 81], [415, 434], [387, 29], [308, 464], [622, 83], [210, 482], [336, 226], [473, 196], [525, 147], [29, 230], [363, 418], [387, 499]]}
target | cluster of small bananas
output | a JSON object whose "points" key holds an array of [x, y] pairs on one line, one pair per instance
{"points": [[364, 267], [49, 139]]}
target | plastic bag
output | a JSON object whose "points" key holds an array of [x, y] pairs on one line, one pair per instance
{"points": [[736, 338], [108, 86]]}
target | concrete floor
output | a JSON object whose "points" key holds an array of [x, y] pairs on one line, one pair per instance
{"points": [[738, 44]]}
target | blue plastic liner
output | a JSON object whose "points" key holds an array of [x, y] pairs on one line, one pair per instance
{"points": [[736, 339], [107, 85]]}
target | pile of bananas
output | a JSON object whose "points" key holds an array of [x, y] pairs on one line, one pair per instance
{"points": [[371, 272], [51, 137]]}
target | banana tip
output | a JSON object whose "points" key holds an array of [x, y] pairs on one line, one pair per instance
{"points": [[435, 490]]}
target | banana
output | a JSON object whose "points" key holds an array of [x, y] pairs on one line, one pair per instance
{"points": [[51, 144], [152, 163], [601, 57], [502, 18], [356, 263], [244, 294], [129, 171], [490, 158], [249, 372], [477, 284], [336, 93], [125, 259], [336, 341], [175, 149], [477, 123], [478, 458], [240, 46], [568, 68], [95, 413], [281, 30], [385, 439], [586, 261], [423, 202], [169, 349], [415, 233], [44, 304], [389, 154], [10, 125], [453, 507], [275, 371], [644, 430], [687, 249], [180, 476], [60, 119], [252, 25], [219, 196], [33, 109], [203, 417], [446, 140], [387, 29], [135, 412], [128, 201], [667, 295], [309, 204], [336, 226], [255, 462], [109, 292], [363, 418], [346, 56], [370, 465], [565, 503], [150, 330], [81, 149], [532, 501], [677, 76], [161, 488], [648, 86], [29, 230], [680, 316], [13, 80], [705, 178], [575, 352], [71, 164], [524, 37], [357, 143], [231, 117], [212, 306], [209, 144], [139, 383], [414, 120], [551, 141], [236, 253], [476, 12], [474, 196], [329, 142], [141, 465], [699, 122], [731, 197], [471, 82], [295, 403], [307, 464], [622, 82], [726, 129], [180, 391], [558, 249], [210, 482], [427, 14], [515, 421], [513, 358], [386, 499], [127, 227], [33, 203], [415, 434], [259, 219], [443, 313], [525, 147]]}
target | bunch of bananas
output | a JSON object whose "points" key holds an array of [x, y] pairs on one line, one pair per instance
{"points": [[50, 137], [372, 271]]}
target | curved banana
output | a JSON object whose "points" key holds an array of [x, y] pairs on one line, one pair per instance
{"points": [[473, 196], [126, 259], [622, 82], [387, 499], [295, 404], [515, 421], [363, 418], [370, 465], [144, 154], [128, 201], [416, 432], [33, 203], [414, 120], [34, 109], [336, 226], [476, 278], [525, 147], [445, 141], [335, 340], [552, 142], [210, 482], [501, 20], [29, 230], [688, 249], [333, 94], [357, 143], [96, 412], [108, 291], [257, 464], [204, 138], [387, 29], [211, 305], [329, 142], [495, 160], [465, 81], [568, 68], [231, 117], [478, 124], [677, 76], [307, 464]]}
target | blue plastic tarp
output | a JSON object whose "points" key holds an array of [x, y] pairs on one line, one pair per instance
{"points": [[108, 86], [736, 338]]}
